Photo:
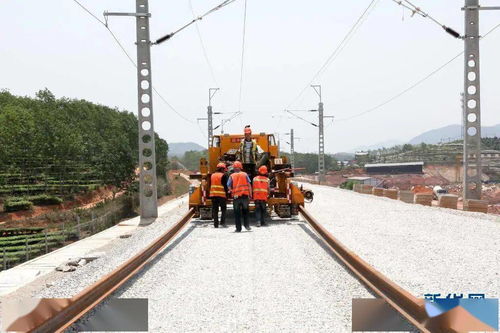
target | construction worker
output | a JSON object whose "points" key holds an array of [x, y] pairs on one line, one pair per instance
{"points": [[239, 184], [218, 194], [260, 195], [249, 152]]}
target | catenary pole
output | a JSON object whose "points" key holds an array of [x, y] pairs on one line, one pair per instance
{"points": [[147, 160], [472, 104]]}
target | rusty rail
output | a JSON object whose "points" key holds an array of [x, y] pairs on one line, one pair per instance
{"points": [[56, 315], [402, 301]]}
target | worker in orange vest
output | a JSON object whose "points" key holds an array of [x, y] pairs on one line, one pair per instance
{"points": [[260, 195], [218, 194], [239, 184]]}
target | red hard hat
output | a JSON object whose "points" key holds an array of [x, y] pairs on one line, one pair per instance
{"points": [[238, 165], [221, 165], [263, 170]]}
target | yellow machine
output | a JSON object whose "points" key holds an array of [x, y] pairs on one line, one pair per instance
{"points": [[284, 197]]}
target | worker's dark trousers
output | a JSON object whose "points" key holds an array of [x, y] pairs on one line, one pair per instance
{"points": [[216, 203], [249, 168], [260, 211], [240, 206]]}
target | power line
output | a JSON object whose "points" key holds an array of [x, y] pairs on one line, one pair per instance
{"points": [[416, 84], [416, 10], [90, 13], [170, 35], [299, 117], [205, 53], [119, 43], [405, 90], [339, 47], [242, 54]]}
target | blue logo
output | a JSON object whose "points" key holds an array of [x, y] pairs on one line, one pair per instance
{"points": [[482, 309]]}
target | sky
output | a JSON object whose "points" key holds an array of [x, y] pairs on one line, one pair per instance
{"points": [[57, 45]]}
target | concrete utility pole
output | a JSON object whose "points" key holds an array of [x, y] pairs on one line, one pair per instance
{"points": [[462, 100], [210, 114], [211, 93], [292, 148], [147, 160], [472, 102], [321, 141]]}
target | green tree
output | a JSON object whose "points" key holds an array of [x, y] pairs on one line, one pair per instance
{"points": [[69, 140]]}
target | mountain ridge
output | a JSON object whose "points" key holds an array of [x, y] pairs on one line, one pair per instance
{"points": [[179, 148], [443, 134]]}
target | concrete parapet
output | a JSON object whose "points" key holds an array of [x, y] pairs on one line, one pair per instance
{"points": [[472, 205], [366, 189], [391, 193], [407, 196], [424, 199], [448, 201]]}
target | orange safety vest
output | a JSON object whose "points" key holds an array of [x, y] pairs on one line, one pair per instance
{"points": [[216, 187], [260, 188], [240, 184]]}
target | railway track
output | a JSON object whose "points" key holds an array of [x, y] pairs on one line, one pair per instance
{"points": [[56, 315]]}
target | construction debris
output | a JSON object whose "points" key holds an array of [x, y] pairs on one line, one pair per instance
{"points": [[65, 268], [379, 192]]}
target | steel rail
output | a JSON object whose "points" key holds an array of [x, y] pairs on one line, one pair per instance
{"points": [[56, 315], [410, 307]]}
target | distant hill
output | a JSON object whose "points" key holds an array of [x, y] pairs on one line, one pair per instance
{"points": [[450, 133], [179, 148], [385, 144], [435, 136], [343, 156]]}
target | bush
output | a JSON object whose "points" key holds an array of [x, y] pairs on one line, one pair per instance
{"points": [[163, 187], [14, 206], [44, 199], [348, 185]]}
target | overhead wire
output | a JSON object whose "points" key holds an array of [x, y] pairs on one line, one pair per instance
{"points": [[417, 10], [201, 130], [339, 47], [242, 54], [301, 118], [204, 49], [416, 84], [216, 8], [239, 112], [120, 45]]}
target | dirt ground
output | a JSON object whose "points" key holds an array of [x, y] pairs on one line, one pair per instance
{"points": [[47, 214], [84, 201], [448, 177], [179, 185]]}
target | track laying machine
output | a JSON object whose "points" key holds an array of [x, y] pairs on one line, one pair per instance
{"points": [[284, 197]]}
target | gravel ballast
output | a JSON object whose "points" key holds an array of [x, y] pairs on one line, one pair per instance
{"points": [[275, 278], [278, 278], [117, 252], [423, 249]]}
